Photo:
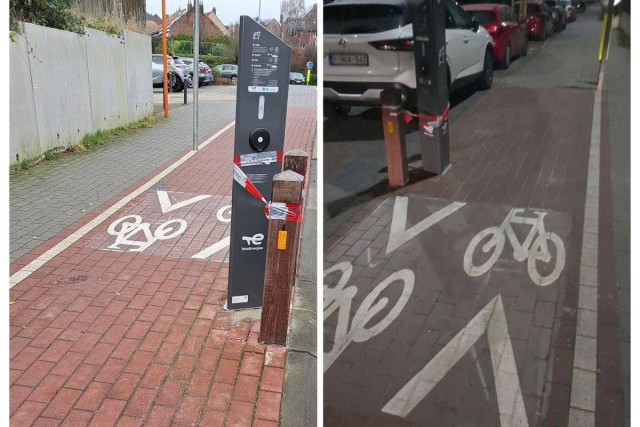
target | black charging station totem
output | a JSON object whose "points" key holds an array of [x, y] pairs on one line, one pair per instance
{"points": [[261, 111], [431, 83]]}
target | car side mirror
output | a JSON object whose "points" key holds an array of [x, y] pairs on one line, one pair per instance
{"points": [[475, 24]]}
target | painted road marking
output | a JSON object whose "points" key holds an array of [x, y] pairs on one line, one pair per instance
{"points": [[400, 235], [216, 247], [492, 320], [128, 229], [583, 385], [41, 260], [532, 249], [339, 299], [165, 202]]}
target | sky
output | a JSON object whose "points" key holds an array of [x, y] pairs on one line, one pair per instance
{"points": [[227, 10]]}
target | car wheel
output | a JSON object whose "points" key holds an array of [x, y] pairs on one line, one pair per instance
{"points": [[525, 47], [234, 79], [189, 82], [335, 111], [486, 78], [177, 86], [506, 59], [543, 34]]}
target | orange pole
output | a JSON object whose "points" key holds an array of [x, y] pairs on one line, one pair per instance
{"points": [[165, 85]]}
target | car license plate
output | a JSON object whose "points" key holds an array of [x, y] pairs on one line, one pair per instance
{"points": [[348, 59]]}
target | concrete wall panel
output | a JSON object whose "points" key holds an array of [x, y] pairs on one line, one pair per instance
{"points": [[60, 85], [107, 79], [139, 77], [24, 140], [65, 85]]}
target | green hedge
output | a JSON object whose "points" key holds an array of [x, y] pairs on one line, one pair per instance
{"points": [[185, 48], [214, 61], [313, 80]]}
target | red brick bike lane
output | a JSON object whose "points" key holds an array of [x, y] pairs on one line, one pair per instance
{"points": [[455, 300], [125, 325]]}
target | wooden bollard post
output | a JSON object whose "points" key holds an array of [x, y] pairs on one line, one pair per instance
{"points": [[394, 137], [297, 161], [281, 262]]}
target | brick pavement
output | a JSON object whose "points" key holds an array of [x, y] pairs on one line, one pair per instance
{"points": [[50, 197], [398, 357], [115, 337]]}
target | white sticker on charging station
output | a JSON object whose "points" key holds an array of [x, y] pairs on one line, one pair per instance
{"points": [[240, 299], [263, 88]]}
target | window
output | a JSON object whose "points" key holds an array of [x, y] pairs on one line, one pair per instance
{"points": [[157, 59], [483, 16], [302, 46], [456, 17], [362, 19]]}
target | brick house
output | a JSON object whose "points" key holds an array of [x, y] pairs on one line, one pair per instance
{"points": [[217, 22], [183, 24], [272, 25]]}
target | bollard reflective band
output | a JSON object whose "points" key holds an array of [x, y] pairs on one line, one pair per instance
{"points": [[255, 159], [284, 211], [273, 210], [241, 178]]}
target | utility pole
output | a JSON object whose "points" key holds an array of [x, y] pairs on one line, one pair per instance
{"points": [[259, 9], [196, 71]]}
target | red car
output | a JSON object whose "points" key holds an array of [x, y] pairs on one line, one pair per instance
{"points": [[509, 34], [539, 20]]}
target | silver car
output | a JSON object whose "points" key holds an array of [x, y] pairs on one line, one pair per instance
{"points": [[176, 75]]}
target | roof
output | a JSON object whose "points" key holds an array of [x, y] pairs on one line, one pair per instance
{"points": [[218, 23], [152, 27]]}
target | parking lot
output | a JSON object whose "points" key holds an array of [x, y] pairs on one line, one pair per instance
{"points": [[486, 296]]}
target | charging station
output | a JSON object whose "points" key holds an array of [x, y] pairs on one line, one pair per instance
{"points": [[261, 111], [431, 84]]}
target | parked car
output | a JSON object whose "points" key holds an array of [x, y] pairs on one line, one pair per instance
{"points": [[509, 34], [572, 11], [369, 47], [228, 71], [559, 14], [176, 75], [205, 76], [539, 20], [296, 78]]}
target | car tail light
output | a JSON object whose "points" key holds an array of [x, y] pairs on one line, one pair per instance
{"points": [[202, 69], [405, 45], [494, 29]]}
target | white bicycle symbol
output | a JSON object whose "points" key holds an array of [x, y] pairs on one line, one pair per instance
{"points": [[340, 298], [128, 229], [533, 250]]}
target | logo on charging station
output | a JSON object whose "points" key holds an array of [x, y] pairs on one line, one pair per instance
{"points": [[254, 243], [428, 130]]}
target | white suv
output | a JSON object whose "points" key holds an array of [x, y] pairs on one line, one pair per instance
{"points": [[368, 47]]}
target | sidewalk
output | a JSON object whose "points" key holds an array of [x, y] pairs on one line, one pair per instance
{"points": [[107, 336], [485, 296]]}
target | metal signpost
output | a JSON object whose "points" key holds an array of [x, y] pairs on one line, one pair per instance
{"points": [[309, 67], [261, 111], [196, 70], [431, 80]]}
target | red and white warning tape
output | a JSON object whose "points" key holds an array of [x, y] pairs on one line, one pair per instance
{"points": [[434, 121], [241, 178], [273, 210], [254, 159]]}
